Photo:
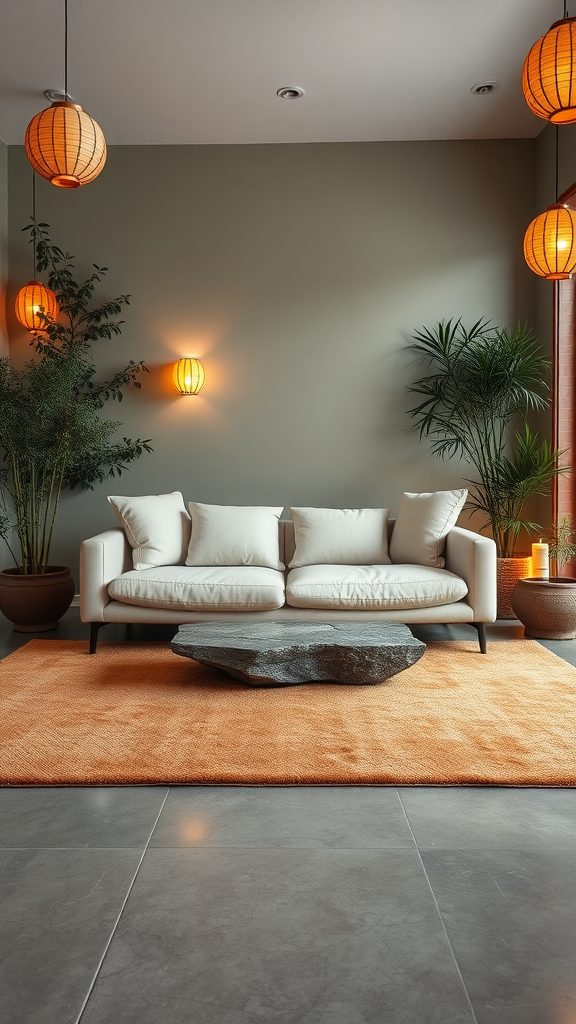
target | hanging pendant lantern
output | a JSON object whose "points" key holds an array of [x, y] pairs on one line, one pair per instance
{"points": [[34, 302], [549, 74], [550, 243], [188, 376], [65, 145]]}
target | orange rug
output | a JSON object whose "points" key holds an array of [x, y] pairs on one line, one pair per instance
{"points": [[136, 713]]}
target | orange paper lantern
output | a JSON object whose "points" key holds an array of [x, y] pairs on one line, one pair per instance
{"points": [[189, 376], [33, 299], [550, 243], [549, 75], [65, 145]]}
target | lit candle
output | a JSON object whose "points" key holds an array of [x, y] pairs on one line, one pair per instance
{"points": [[540, 562]]}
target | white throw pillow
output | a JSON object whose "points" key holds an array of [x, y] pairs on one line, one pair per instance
{"points": [[234, 535], [421, 526], [340, 536], [157, 527]]}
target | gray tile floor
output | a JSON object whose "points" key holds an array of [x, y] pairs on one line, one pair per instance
{"points": [[340, 905]]}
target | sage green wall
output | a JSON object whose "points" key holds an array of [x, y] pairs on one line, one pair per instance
{"points": [[3, 245], [297, 273]]}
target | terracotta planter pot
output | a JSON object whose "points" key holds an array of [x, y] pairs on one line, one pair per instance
{"points": [[35, 603], [547, 607], [508, 572]]}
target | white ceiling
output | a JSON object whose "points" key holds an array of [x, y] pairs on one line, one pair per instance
{"points": [[159, 72]]}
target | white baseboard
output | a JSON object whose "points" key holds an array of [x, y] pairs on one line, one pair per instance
{"points": [[75, 601]]}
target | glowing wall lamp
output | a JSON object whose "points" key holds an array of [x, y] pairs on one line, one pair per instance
{"points": [[189, 376]]}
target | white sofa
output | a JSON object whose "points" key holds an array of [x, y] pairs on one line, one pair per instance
{"points": [[106, 566]]}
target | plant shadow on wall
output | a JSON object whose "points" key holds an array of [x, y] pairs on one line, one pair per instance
{"points": [[52, 433], [480, 380]]}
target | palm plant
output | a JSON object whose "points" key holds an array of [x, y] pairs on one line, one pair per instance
{"points": [[51, 432], [480, 380]]}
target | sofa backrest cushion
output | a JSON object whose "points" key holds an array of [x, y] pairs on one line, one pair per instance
{"points": [[234, 535], [157, 527], [288, 540], [422, 525], [340, 536]]}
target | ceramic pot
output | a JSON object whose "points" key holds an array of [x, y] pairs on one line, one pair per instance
{"points": [[508, 572], [547, 607], [35, 603]]}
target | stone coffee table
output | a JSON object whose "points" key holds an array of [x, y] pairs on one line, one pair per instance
{"points": [[280, 653]]}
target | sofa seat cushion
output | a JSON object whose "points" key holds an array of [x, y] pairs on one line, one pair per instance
{"points": [[202, 588], [372, 586]]}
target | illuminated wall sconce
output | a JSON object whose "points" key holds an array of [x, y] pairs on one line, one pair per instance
{"points": [[189, 376]]}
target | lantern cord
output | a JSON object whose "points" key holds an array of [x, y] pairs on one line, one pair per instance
{"points": [[66, 50], [34, 223], [556, 185]]}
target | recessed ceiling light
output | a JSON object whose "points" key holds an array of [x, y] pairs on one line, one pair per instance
{"points": [[290, 92], [484, 88], [57, 96]]}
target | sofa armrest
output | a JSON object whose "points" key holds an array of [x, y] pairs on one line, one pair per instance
{"points": [[473, 558], [102, 559]]}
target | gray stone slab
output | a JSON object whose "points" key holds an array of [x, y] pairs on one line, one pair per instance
{"points": [[304, 817], [509, 915], [270, 936], [281, 653], [59, 908], [491, 817], [79, 816]]}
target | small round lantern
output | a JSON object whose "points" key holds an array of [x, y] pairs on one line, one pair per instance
{"points": [[549, 74], [550, 243], [189, 376], [65, 145], [34, 299]]}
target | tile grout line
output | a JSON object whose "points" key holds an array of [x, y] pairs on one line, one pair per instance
{"points": [[120, 912], [60, 849], [433, 894]]}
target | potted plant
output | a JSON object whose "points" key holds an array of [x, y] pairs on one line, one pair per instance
{"points": [[547, 606], [52, 435], [480, 380]]}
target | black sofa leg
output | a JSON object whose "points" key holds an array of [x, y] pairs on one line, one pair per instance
{"points": [[481, 628], [94, 627]]}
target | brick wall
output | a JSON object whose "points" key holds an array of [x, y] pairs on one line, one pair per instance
{"points": [[565, 401]]}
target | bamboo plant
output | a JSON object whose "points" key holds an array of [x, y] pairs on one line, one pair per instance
{"points": [[479, 381], [52, 434]]}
